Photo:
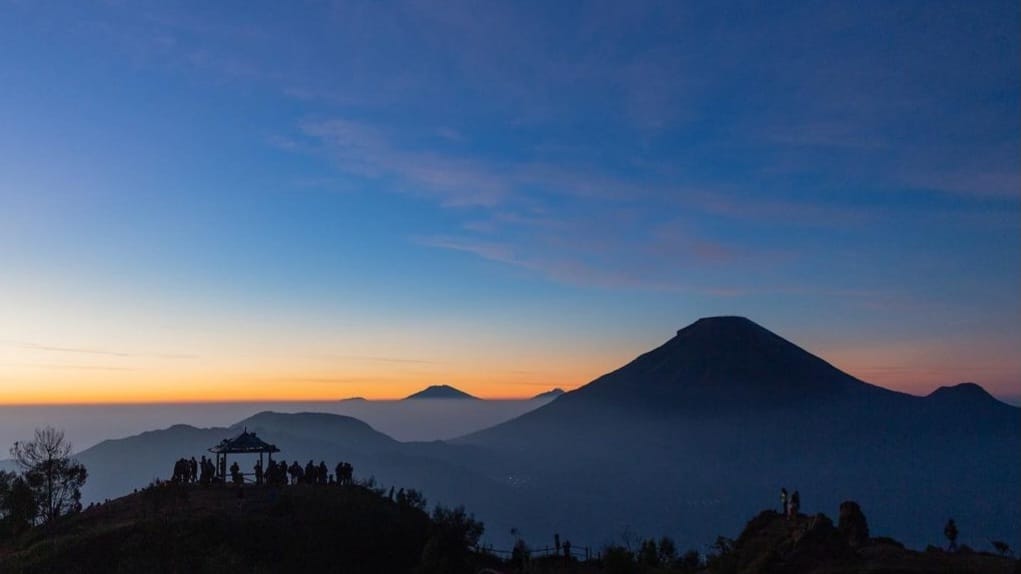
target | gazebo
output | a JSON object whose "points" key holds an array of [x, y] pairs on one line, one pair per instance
{"points": [[244, 443]]}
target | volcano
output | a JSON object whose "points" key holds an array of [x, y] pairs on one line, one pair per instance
{"points": [[440, 392], [720, 362]]}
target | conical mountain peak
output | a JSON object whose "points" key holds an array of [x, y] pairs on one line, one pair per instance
{"points": [[723, 360]]}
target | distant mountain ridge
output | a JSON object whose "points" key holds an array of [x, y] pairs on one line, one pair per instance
{"points": [[440, 392]]}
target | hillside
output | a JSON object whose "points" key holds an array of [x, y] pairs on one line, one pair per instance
{"points": [[117, 467], [173, 528]]}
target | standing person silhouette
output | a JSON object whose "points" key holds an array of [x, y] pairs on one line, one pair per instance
{"points": [[950, 531]]}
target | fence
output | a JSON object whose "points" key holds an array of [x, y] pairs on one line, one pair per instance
{"points": [[577, 552]]}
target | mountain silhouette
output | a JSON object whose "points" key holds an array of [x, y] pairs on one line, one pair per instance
{"points": [[965, 394], [715, 367], [317, 427], [550, 394], [440, 392], [724, 362]]}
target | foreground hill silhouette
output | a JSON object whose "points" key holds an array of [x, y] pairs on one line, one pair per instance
{"points": [[177, 528], [180, 528], [681, 441]]}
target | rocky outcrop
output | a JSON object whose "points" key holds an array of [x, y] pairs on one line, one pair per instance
{"points": [[852, 524]]}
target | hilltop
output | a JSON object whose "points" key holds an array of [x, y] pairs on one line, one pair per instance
{"points": [[180, 528]]}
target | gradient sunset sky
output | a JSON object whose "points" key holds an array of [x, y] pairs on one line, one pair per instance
{"points": [[284, 200]]}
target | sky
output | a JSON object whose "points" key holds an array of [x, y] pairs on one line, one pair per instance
{"points": [[313, 200]]}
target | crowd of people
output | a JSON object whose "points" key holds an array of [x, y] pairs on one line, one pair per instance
{"points": [[190, 471], [275, 473]]}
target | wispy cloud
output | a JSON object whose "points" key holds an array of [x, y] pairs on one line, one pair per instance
{"points": [[95, 351], [380, 359], [573, 269], [363, 150], [580, 226], [70, 367]]}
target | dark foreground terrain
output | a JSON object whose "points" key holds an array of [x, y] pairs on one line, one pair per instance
{"points": [[771, 543], [194, 529]]}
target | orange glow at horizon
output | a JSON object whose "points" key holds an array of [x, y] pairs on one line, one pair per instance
{"points": [[59, 357], [82, 385]]}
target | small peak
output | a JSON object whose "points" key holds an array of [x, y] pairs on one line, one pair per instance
{"points": [[550, 394], [440, 392], [961, 390]]}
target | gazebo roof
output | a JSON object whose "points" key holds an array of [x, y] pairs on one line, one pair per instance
{"points": [[246, 442]]}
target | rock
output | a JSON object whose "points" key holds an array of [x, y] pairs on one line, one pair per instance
{"points": [[852, 524]]}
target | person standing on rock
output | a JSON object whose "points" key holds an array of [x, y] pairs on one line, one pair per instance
{"points": [[783, 500], [795, 504], [950, 531]]}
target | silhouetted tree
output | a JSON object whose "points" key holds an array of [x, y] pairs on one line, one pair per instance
{"points": [[520, 554], [667, 551], [689, 562], [455, 533], [412, 498], [17, 504], [721, 556], [1001, 547], [618, 559], [648, 554], [54, 477]]}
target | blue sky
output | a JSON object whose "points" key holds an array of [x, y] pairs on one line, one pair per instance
{"points": [[535, 190]]}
